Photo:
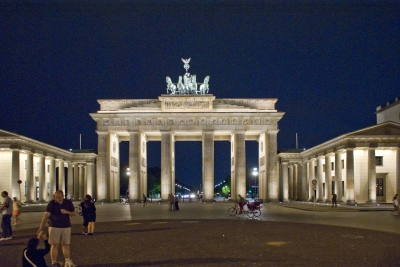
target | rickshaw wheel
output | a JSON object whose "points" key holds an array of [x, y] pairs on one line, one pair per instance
{"points": [[232, 211]]}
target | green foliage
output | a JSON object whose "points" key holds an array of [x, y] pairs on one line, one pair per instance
{"points": [[226, 189]]}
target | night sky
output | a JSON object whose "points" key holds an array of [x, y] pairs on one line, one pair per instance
{"points": [[329, 63]]}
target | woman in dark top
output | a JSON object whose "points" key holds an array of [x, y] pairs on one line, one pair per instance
{"points": [[32, 256], [89, 215]]}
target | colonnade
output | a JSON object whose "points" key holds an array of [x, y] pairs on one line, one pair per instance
{"points": [[38, 183], [268, 182], [334, 172]]}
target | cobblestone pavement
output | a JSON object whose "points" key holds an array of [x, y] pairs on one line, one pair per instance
{"points": [[286, 234]]}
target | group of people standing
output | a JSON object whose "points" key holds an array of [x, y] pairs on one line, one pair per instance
{"points": [[173, 202], [9, 208], [57, 216]]}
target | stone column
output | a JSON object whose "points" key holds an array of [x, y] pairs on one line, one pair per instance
{"points": [[61, 175], [291, 181], [90, 179], [75, 195], [397, 188], [16, 189], [52, 178], [328, 178], [296, 182], [350, 176], [320, 197], [304, 181], [285, 181], [240, 164], [272, 177], [371, 175], [42, 180], [208, 165], [103, 165], [70, 179], [338, 176], [30, 179], [134, 166], [143, 165], [262, 167], [166, 163], [81, 182], [311, 172]]}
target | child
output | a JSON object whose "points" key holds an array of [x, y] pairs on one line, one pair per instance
{"points": [[16, 210], [32, 256]]}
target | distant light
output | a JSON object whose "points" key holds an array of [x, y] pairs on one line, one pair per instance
{"points": [[70, 149], [304, 148]]}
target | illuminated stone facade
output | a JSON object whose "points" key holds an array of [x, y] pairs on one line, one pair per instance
{"points": [[42, 169], [174, 118]]}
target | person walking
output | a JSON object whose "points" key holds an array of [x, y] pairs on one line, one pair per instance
{"points": [[334, 197], [16, 210], [6, 213], [396, 205], [57, 214], [89, 215], [241, 203], [144, 200], [176, 200], [31, 255], [171, 201]]}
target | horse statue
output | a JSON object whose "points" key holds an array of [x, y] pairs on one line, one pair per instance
{"points": [[194, 85], [187, 83], [204, 87], [170, 86], [181, 87]]}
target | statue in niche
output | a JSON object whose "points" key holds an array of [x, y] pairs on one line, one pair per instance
{"points": [[170, 86], [204, 87]]}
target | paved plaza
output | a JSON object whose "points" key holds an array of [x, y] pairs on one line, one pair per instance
{"points": [[286, 234]]}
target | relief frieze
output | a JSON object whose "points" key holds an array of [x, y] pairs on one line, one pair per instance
{"points": [[187, 105]]}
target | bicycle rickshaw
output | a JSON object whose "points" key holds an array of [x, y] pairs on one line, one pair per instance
{"points": [[251, 209]]}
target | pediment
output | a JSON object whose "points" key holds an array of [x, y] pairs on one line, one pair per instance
{"points": [[386, 128]]}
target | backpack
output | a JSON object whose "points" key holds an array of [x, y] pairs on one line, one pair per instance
{"points": [[79, 210]]}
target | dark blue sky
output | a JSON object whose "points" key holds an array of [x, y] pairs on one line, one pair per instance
{"points": [[329, 63]]}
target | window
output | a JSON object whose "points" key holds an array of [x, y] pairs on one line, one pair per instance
{"points": [[48, 167], [379, 186], [323, 189], [323, 167], [342, 163], [25, 164], [379, 161], [332, 166], [342, 188], [37, 166]]}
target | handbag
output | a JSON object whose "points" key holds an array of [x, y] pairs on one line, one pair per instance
{"points": [[26, 257]]}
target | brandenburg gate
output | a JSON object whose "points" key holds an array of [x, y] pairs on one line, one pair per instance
{"points": [[186, 113]]}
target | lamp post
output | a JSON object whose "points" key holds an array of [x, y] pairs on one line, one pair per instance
{"points": [[255, 173]]}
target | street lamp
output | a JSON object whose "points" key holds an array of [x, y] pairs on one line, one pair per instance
{"points": [[255, 173]]}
